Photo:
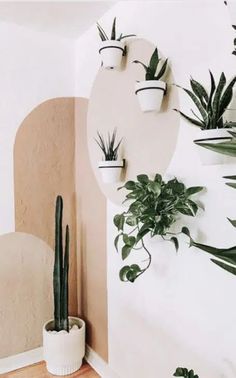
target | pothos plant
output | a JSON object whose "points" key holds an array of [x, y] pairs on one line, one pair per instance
{"points": [[114, 37], [151, 72], [183, 372], [211, 105], [154, 208]]}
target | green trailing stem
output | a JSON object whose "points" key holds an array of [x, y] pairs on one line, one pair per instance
{"points": [[61, 270]]}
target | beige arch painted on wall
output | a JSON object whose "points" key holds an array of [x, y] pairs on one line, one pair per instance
{"points": [[45, 165]]}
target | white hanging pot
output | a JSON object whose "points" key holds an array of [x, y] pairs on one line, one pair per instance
{"points": [[111, 170], [213, 136], [111, 53], [150, 94], [64, 351]]}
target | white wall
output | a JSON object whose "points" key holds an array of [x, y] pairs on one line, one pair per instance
{"points": [[182, 311], [34, 67]]}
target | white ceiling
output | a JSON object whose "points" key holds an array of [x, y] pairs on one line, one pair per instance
{"points": [[65, 18]]}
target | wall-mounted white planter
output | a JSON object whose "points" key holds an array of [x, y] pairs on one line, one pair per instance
{"points": [[150, 94], [111, 53], [215, 136], [111, 170], [63, 351]]}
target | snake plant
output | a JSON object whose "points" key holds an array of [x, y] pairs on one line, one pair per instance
{"points": [[151, 68], [211, 105], [185, 373], [226, 255], [104, 37], [109, 147], [61, 270]]}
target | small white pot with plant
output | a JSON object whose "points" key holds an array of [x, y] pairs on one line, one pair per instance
{"points": [[112, 50], [150, 92], [111, 167], [185, 373], [63, 336], [211, 107]]}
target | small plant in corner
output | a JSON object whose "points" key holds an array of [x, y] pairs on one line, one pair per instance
{"points": [[210, 109], [155, 207], [64, 336], [150, 91], [185, 373], [110, 166], [112, 49]]}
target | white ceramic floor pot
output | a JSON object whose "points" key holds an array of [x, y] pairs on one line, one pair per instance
{"points": [[111, 170], [64, 351], [208, 157], [111, 53], [150, 94]]}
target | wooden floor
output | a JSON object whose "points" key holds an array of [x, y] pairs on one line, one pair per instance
{"points": [[39, 371]]}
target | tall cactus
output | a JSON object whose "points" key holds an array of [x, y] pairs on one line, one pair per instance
{"points": [[61, 270]]}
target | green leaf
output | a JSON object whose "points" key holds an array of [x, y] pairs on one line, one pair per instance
{"points": [[176, 242], [126, 249], [199, 91], [225, 148], [154, 187], [131, 221], [119, 220], [217, 96], [123, 273], [230, 177], [130, 185], [129, 240], [193, 190], [186, 231], [227, 96], [143, 179], [142, 64], [190, 119], [232, 221], [113, 32], [228, 268], [231, 184], [162, 70], [154, 62], [158, 178], [116, 241]]}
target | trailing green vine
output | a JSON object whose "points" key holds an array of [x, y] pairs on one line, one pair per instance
{"points": [[155, 207]]}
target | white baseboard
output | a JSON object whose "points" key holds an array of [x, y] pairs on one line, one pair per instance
{"points": [[33, 356], [21, 360], [98, 364]]}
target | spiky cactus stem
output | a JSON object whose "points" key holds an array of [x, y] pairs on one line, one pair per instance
{"points": [[61, 271]]}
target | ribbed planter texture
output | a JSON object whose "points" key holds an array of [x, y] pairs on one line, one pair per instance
{"points": [[64, 351]]}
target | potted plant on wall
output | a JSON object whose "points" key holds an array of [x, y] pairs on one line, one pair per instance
{"points": [[63, 336], [155, 207], [112, 49], [110, 167], [150, 92], [211, 107]]}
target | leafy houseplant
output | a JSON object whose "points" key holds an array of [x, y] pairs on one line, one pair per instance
{"points": [[211, 107], [226, 255], [185, 373], [155, 207], [110, 167], [64, 336], [150, 92], [112, 49]]}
